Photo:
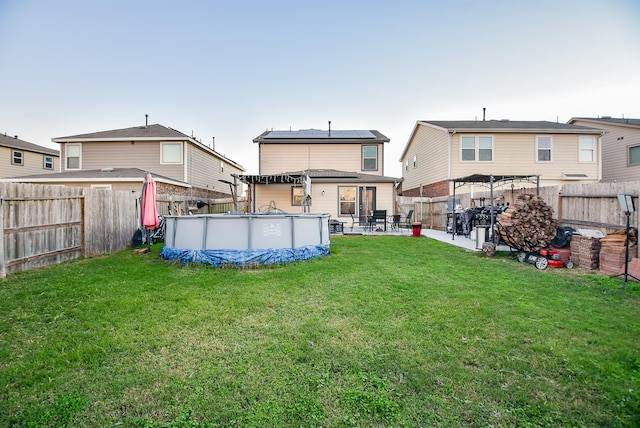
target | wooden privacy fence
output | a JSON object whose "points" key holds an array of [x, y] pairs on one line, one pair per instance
{"points": [[581, 206], [44, 225]]}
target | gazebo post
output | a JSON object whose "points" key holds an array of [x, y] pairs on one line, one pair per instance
{"points": [[491, 208]]}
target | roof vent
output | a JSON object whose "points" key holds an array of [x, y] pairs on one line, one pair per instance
{"points": [[107, 170]]}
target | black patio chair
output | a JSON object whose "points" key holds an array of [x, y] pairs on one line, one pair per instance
{"points": [[407, 220]]}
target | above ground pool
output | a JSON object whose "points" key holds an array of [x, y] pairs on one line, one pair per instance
{"points": [[245, 239]]}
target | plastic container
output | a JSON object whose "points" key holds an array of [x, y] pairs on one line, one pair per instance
{"points": [[416, 227]]}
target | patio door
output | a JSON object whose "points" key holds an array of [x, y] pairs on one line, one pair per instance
{"points": [[366, 201]]}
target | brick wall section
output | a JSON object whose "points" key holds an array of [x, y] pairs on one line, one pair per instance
{"points": [[194, 192], [441, 188]]}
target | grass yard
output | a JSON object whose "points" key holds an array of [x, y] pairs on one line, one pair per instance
{"points": [[386, 331]]}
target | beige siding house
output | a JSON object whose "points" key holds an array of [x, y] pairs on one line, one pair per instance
{"points": [[440, 151], [23, 158], [192, 168], [345, 169], [620, 146]]}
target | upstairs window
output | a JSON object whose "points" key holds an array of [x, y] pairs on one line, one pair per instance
{"points": [[476, 148], [634, 155], [406, 164], [170, 153], [543, 148], [587, 149], [48, 162], [17, 158], [73, 153], [415, 161], [369, 158]]}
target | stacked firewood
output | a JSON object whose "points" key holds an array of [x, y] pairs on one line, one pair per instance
{"points": [[527, 224]]}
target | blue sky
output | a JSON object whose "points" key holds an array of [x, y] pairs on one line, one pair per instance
{"points": [[231, 69]]}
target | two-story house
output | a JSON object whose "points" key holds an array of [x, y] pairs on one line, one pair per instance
{"points": [[20, 157], [620, 146], [346, 171], [440, 151], [117, 160]]}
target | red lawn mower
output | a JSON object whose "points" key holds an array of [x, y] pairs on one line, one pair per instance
{"points": [[545, 257]]}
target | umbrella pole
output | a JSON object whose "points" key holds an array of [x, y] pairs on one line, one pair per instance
{"points": [[148, 239]]}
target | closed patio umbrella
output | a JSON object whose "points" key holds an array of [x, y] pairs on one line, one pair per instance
{"points": [[149, 212]]}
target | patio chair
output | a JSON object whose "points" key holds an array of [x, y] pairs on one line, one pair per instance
{"points": [[407, 220], [395, 222]]}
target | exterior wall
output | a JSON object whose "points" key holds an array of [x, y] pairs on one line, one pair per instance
{"points": [[278, 158], [433, 190], [431, 148], [516, 154], [615, 145], [204, 171], [33, 163], [280, 196]]}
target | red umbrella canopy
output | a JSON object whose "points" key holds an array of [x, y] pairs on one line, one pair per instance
{"points": [[149, 217]]}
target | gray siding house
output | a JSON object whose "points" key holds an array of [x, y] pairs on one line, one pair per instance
{"points": [[620, 146], [19, 157]]}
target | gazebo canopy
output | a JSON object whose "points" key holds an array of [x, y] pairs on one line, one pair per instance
{"points": [[489, 180]]}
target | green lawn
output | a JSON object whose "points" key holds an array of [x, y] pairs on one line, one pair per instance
{"points": [[385, 331]]}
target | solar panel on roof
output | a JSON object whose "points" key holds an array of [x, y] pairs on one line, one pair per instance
{"points": [[318, 134]]}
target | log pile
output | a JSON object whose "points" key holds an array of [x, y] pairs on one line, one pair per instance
{"points": [[527, 224], [612, 253], [585, 251]]}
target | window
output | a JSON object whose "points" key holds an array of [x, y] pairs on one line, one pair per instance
{"points": [[16, 157], [406, 165], [634, 155], [48, 162], [476, 148], [347, 200], [297, 195], [587, 149], [170, 153], [543, 148], [101, 186], [415, 160], [369, 158], [73, 152], [221, 167]]}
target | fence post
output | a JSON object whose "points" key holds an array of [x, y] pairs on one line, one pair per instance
{"points": [[3, 266]]}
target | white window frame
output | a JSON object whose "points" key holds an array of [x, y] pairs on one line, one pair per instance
{"points": [[406, 164], [101, 186], [582, 149], [415, 161], [349, 202], [17, 157], [67, 157], [163, 156], [47, 162], [629, 148], [549, 149], [365, 158], [477, 150]]}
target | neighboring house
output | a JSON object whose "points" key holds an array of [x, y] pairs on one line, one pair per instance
{"points": [[440, 151], [620, 146], [345, 168], [123, 179], [155, 148], [20, 157]]}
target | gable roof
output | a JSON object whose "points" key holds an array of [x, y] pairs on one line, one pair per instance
{"points": [[16, 143], [605, 120], [154, 132], [150, 132], [98, 175], [320, 136], [508, 126]]}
